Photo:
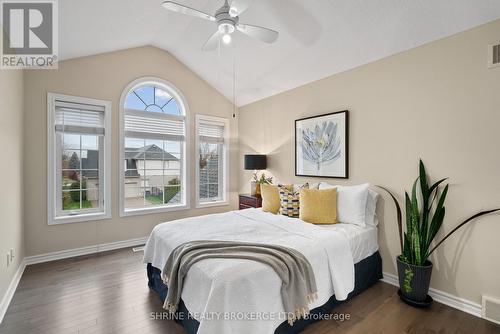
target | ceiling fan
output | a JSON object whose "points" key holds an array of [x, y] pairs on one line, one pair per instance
{"points": [[227, 19]]}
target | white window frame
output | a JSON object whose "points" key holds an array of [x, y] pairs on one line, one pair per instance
{"points": [[186, 151], [54, 163], [225, 169]]}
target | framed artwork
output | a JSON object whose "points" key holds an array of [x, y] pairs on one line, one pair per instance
{"points": [[321, 145]]}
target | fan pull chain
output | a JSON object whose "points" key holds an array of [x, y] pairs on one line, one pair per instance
{"points": [[234, 82]]}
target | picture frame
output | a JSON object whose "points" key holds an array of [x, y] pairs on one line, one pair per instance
{"points": [[322, 145]]}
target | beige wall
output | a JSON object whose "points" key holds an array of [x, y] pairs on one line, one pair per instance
{"points": [[439, 102], [104, 77], [11, 166]]}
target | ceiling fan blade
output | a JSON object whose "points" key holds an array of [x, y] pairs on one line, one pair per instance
{"points": [[213, 42], [178, 8], [260, 33], [239, 6]]}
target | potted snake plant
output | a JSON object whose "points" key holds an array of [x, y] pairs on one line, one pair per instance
{"points": [[425, 212]]}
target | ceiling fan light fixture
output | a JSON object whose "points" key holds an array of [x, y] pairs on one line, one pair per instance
{"points": [[226, 39], [226, 27]]}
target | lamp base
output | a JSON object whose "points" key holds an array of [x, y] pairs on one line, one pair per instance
{"points": [[255, 189]]}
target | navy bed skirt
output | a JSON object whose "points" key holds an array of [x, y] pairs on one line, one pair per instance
{"points": [[367, 273]]}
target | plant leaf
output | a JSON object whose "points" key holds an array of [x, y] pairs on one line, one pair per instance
{"points": [[406, 252], [437, 219], [435, 185], [415, 224], [437, 222], [426, 193], [423, 180]]}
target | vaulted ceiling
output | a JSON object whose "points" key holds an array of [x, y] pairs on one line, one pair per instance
{"points": [[318, 38]]}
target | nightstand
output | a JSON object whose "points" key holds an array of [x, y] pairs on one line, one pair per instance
{"points": [[248, 201]]}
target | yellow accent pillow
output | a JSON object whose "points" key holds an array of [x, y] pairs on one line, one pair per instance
{"points": [[270, 197], [318, 206]]}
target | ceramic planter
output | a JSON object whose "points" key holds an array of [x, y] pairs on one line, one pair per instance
{"points": [[414, 280]]}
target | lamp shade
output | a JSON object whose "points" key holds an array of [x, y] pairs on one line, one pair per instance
{"points": [[255, 161]]}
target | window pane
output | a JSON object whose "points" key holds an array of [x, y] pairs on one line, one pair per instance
{"points": [[80, 175], [133, 102], [70, 176], [133, 144], [90, 142], [71, 159], [172, 108], [153, 178], [203, 190], [91, 196], [154, 154], [71, 199], [71, 141], [152, 99], [134, 196], [209, 170], [90, 159], [153, 196], [173, 194], [145, 94], [75, 200], [162, 97], [213, 190]]}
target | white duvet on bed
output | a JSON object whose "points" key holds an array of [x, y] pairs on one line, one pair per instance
{"points": [[222, 288], [363, 240]]}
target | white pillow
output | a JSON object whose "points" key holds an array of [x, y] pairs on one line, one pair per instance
{"points": [[351, 203], [371, 207]]}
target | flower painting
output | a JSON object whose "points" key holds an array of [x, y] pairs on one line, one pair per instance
{"points": [[321, 145]]}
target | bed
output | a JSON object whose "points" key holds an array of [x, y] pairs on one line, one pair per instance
{"points": [[242, 296]]}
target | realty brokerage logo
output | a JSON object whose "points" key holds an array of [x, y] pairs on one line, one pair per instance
{"points": [[29, 38]]}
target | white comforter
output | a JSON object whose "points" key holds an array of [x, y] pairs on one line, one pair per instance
{"points": [[243, 296]]}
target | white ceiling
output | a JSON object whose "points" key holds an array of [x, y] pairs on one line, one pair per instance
{"points": [[318, 38]]}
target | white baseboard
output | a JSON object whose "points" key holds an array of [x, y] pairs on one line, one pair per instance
{"points": [[443, 297], [84, 251], [7, 298]]}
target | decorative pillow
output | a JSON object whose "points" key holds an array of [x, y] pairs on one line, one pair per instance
{"points": [[289, 201], [270, 198], [351, 203], [318, 206]]}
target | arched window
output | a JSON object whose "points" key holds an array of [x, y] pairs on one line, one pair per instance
{"points": [[153, 147]]}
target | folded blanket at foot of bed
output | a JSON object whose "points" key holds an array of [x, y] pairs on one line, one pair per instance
{"points": [[298, 287]]}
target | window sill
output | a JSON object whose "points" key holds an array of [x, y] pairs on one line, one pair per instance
{"points": [[86, 217], [146, 211], [211, 204]]}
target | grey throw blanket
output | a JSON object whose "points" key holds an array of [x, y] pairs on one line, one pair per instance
{"points": [[298, 287]]}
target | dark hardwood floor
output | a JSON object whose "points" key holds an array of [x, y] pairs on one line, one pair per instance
{"points": [[108, 293]]}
